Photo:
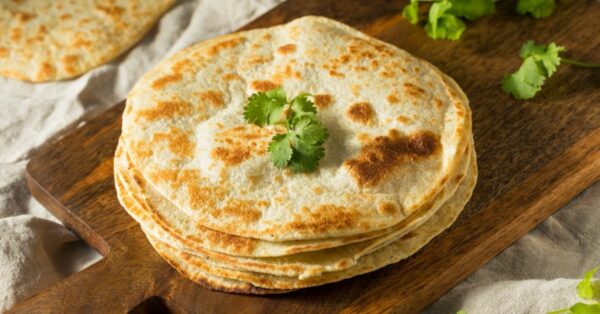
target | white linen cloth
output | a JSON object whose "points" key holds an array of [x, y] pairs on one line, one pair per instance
{"points": [[36, 251]]}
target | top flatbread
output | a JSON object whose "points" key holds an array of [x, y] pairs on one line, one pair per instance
{"points": [[45, 40], [396, 127]]}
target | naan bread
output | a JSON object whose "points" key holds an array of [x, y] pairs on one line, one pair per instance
{"points": [[393, 252], [149, 210], [397, 127], [47, 40]]}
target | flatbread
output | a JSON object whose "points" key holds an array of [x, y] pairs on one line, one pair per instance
{"points": [[375, 99], [47, 40], [391, 253], [149, 210]]}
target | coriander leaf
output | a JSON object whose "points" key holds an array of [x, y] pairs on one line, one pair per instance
{"points": [[315, 133], [302, 106], [280, 150], [546, 55], [537, 8], [411, 12], [306, 157], [585, 290], [443, 25], [526, 82], [583, 308], [472, 9], [265, 107]]}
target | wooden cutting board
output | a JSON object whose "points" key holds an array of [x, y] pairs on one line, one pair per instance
{"points": [[534, 156]]}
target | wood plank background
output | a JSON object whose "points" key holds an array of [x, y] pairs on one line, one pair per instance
{"points": [[534, 156]]}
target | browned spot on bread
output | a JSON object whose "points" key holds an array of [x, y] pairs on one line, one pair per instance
{"points": [[413, 90], [325, 218], [361, 112], [402, 119], [45, 71], [363, 137], [112, 11], [241, 210], [213, 97], [165, 80], [409, 235], [203, 197], [79, 42], [335, 73], [182, 65], [263, 86], [377, 159], [287, 73], [69, 63], [23, 17], [438, 103], [240, 143], [65, 16], [15, 34], [388, 209], [230, 77], [393, 98], [221, 239], [166, 110], [3, 52], [223, 45], [178, 142], [323, 101], [355, 89], [458, 178], [387, 74], [287, 49], [318, 190]]}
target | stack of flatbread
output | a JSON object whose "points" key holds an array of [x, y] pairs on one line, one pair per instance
{"points": [[399, 163]]}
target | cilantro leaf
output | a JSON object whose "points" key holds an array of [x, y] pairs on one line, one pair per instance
{"points": [[585, 290], [302, 106], [265, 107], [306, 157], [309, 131], [583, 308], [546, 55], [537, 8], [526, 82], [280, 150], [472, 9], [443, 25], [411, 12]]}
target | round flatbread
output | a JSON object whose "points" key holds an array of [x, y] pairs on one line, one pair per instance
{"points": [[47, 40], [397, 127]]}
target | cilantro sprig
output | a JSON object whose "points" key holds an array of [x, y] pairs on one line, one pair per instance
{"points": [[537, 8], [444, 20], [588, 290], [539, 63], [301, 147]]}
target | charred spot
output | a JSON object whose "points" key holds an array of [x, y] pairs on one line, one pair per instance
{"points": [[287, 49], [165, 80], [377, 159], [361, 112], [323, 101], [166, 110], [178, 142], [388, 209], [413, 90], [393, 98], [213, 97], [263, 86], [226, 44], [70, 63]]}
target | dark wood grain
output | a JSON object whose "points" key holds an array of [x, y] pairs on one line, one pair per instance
{"points": [[534, 156]]}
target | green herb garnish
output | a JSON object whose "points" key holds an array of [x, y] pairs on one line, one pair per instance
{"points": [[301, 147], [587, 291], [537, 8], [539, 63], [441, 24]]}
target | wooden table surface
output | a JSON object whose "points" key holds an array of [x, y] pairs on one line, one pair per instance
{"points": [[534, 156]]}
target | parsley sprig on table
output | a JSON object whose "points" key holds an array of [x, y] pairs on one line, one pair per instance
{"points": [[301, 147], [539, 63], [588, 290]]}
